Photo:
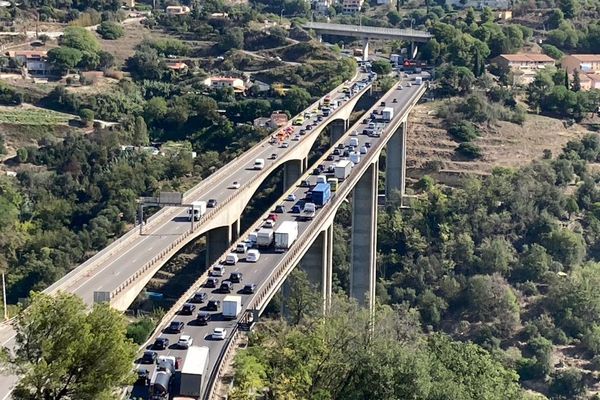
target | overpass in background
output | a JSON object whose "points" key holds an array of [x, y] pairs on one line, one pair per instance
{"points": [[313, 250], [367, 33]]}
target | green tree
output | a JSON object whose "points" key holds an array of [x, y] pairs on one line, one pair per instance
{"points": [[22, 154], [491, 299], [303, 300], [65, 352], [155, 109], [80, 39], [565, 246], [567, 384], [570, 8], [140, 132], [87, 116], [110, 30], [232, 39], [382, 67], [576, 84], [64, 58], [394, 17], [555, 18], [295, 100]]}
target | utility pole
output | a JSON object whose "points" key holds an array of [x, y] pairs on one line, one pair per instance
{"points": [[4, 297]]}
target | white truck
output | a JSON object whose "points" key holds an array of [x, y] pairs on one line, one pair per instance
{"points": [[309, 211], [418, 80], [232, 306], [198, 209], [387, 114], [285, 235], [264, 237], [193, 372], [342, 169]]}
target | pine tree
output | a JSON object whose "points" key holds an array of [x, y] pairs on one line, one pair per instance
{"points": [[576, 85]]}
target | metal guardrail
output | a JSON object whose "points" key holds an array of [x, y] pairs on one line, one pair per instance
{"points": [[286, 265], [170, 249]]}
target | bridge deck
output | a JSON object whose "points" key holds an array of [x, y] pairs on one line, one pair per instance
{"points": [[368, 31]]}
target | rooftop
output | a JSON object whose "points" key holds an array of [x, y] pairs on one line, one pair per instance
{"points": [[527, 57], [586, 57]]}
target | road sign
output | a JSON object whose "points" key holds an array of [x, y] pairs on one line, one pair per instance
{"points": [[170, 198]]}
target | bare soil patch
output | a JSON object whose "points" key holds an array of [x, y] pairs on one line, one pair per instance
{"points": [[431, 150]]}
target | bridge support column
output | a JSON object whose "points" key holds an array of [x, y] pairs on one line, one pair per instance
{"points": [[365, 49], [304, 164], [217, 242], [292, 171], [364, 238], [317, 263], [337, 128], [395, 168], [235, 230]]}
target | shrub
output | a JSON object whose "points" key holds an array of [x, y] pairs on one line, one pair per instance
{"points": [[110, 30], [140, 330], [463, 131], [86, 115], [470, 150], [567, 384]]}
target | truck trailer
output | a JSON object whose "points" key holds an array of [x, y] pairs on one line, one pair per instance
{"points": [[264, 237], [343, 169], [387, 114], [321, 194], [193, 372], [286, 235], [198, 209], [232, 306]]}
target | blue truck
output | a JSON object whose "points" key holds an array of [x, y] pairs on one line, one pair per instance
{"points": [[321, 194]]}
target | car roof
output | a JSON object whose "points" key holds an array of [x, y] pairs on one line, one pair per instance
{"points": [[219, 329]]}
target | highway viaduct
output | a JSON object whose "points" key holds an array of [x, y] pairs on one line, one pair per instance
{"points": [[312, 251], [367, 33]]}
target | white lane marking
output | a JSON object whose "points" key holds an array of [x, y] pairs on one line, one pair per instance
{"points": [[8, 394]]}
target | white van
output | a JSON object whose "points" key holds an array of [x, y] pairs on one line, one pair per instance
{"points": [[231, 259], [253, 255], [252, 239], [259, 163], [355, 157], [218, 270], [241, 247], [321, 179], [353, 142]]}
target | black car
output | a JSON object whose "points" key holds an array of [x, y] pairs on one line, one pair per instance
{"points": [[368, 144], [161, 343], [213, 305], [249, 288], [336, 152], [346, 153], [188, 309], [280, 209], [296, 209], [175, 327], [316, 171], [308, 128], [226, 286], [149, 357], [211, 283], [143, 376], [199, 297], [383, 104], [203, 317], [235, 277], [330, 157], [395, 101], [304, 184], [340, 146], [211, 203]]}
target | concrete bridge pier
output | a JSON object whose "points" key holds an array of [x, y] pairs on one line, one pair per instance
{"points": [[317, 263], [366, 49], [364, 238], [217, 242], [337, 128], [235, 230], [395, 169], [292, 171]]}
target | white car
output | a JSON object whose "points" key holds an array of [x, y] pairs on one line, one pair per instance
{"points": [[363, 150], [269, 223], [354, 133], [291, 197], [284, 145], [219, 333], [235, 185], [185, 341], [296, 138]]}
